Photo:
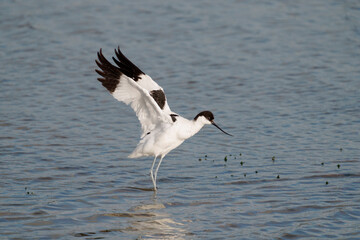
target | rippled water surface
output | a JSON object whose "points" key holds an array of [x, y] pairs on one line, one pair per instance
{"points": [[282, 76]]}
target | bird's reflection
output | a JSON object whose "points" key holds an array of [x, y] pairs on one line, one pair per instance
{"points": [[150, 220]]}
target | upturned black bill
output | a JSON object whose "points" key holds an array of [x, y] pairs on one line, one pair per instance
{"points": [[213, 123]]}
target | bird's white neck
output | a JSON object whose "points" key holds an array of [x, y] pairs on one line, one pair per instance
{"points": [[191, 128]]}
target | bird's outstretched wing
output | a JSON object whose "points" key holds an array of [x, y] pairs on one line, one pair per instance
{"points": [[128, 84]]}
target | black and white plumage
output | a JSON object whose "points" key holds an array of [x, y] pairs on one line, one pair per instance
{"points": [[162, 129]]}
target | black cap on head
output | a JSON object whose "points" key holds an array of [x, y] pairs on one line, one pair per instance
{"points": [[207, 114]]}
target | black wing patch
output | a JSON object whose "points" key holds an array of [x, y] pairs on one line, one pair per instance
{"points": [[159, 97], [173, 117], [111, 74]]}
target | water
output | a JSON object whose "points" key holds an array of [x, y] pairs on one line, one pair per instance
{"points": [[282, 77]]}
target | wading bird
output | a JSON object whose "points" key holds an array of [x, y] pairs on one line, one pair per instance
{"points": [[162, 129]]}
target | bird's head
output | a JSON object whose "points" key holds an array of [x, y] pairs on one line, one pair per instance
{"points": [[206, 117]]}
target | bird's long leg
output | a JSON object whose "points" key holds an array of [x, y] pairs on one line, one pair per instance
{"points": [[158, 166], [152, 174]]}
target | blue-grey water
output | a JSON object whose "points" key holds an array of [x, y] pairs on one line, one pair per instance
{"points": [[282, 76]]}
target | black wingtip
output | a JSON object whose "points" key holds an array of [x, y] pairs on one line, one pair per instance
{"points": [[126, 66], [109, 73]]}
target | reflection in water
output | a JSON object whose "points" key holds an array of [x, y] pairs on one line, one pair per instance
{"points": [[149, 221]]}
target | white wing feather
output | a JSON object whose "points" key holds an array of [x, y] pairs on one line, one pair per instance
{"points": [[140, 100]]}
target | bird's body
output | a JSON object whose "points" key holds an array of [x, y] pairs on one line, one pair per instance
{"points": [[162, 129], [166, 137]]}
